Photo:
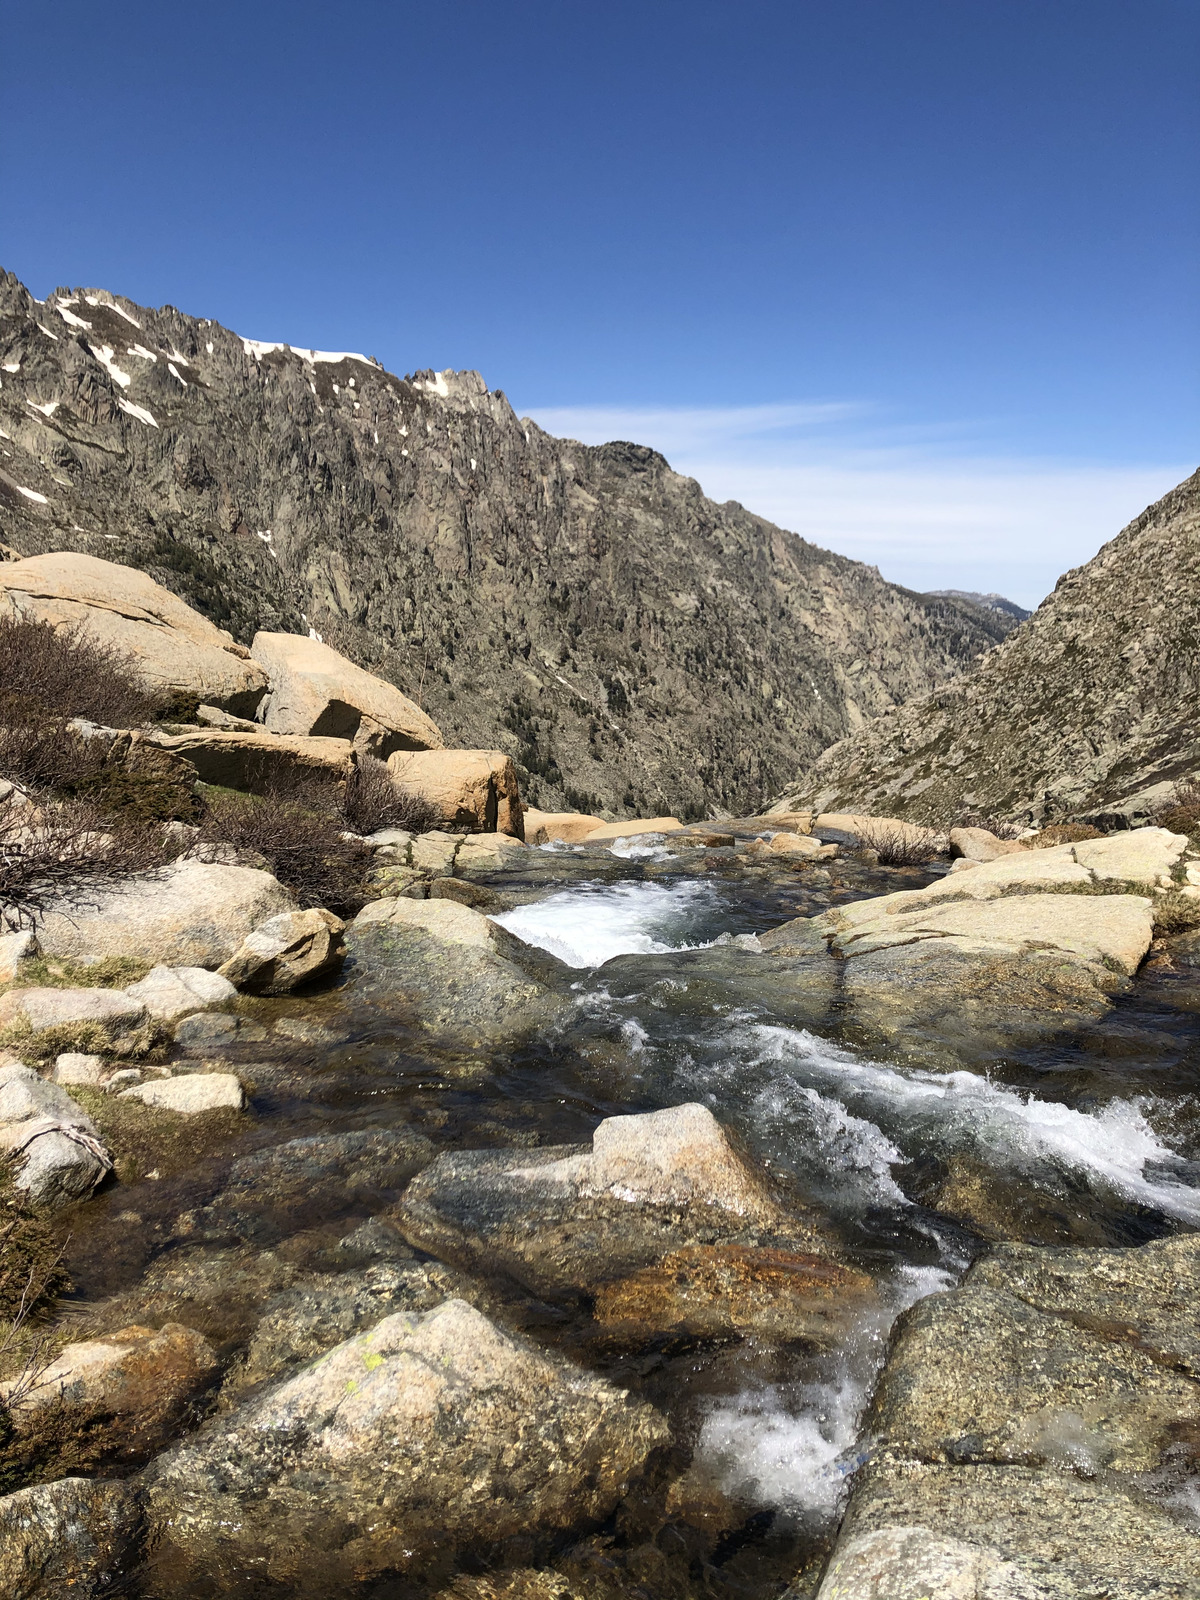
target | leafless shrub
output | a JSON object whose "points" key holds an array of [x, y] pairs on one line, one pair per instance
{"points": [[46, 754], [53, 849], [1182, 815], [1001, 827], [65, 673], [301, 838], [897, 844], [372, 800]]}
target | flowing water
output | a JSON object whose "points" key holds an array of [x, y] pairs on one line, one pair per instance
{"points": [[1092, 1138]]}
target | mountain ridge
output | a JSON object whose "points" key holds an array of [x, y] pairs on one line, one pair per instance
{"points": [[1086, 710], [634, 645]]}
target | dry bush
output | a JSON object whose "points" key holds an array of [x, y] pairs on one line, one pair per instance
{"points": [[58, 849], [300, 837], [1065, 833], [1001, 827], [897, 844], [63, 673], [45, 754], [371, 800], [1183, 813], [1176, 913]]}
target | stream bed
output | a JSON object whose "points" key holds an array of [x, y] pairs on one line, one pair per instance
{"points": [[1092, 1138]]}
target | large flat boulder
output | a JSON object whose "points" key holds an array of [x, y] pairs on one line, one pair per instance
{"points": [[104, 1013], [172, 647], [1028, 941], [429, 1432], [475, 790], [314, 690], [607, 832], [258, 762], [575, 1216], [559, 827], [190, 914]]}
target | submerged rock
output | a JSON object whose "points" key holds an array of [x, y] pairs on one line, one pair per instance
{"points": [[575, 1216], [720, 1290], [424, 1434], [72, 1537]]}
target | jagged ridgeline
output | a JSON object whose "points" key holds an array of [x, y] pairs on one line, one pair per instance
{"points": [[1089, 709], [635, 646]]}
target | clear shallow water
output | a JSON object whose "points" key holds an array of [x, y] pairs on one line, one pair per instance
{"points": [[1107, 1120]]}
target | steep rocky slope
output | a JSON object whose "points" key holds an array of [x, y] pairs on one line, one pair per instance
{"points": [[631, 643], [1088, 708], [1009, 612]]}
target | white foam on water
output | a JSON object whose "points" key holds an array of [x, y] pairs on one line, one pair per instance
{"points": [[792, 1447], [591, 924], [1115, 1148], [640, 847]]}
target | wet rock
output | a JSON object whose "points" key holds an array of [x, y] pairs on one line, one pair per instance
{"points": [[474, 789], [1146, 1297], [314, 690], [977, 1374], [287, 951], [424, 1434], [488, 852], [191, 1094], [104, 1013], [53, 1145], [1006, 1533], [717, 1291], [632, 829], [173, 647], [205, 1033], [192, 913], [125, 1392], [467, 894], [169, 993], [466, 979], [575, 1216], [72, 1537]]}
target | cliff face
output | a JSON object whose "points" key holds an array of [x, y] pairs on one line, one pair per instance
{"points": [[1089, 708], [631, 643]]}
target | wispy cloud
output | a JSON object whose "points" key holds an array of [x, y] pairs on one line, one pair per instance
{"points": [[924, 504]]}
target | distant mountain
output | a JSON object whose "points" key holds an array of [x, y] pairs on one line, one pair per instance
{"points": [[1008, 609], [634, 645], [1089, 709]]}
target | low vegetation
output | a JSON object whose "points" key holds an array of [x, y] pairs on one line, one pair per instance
{"points": [[370, 800], [897, 844], [1182, 814], [299, 835]]}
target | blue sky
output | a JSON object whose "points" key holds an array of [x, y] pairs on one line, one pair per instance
{"points": [[914, 277]]}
